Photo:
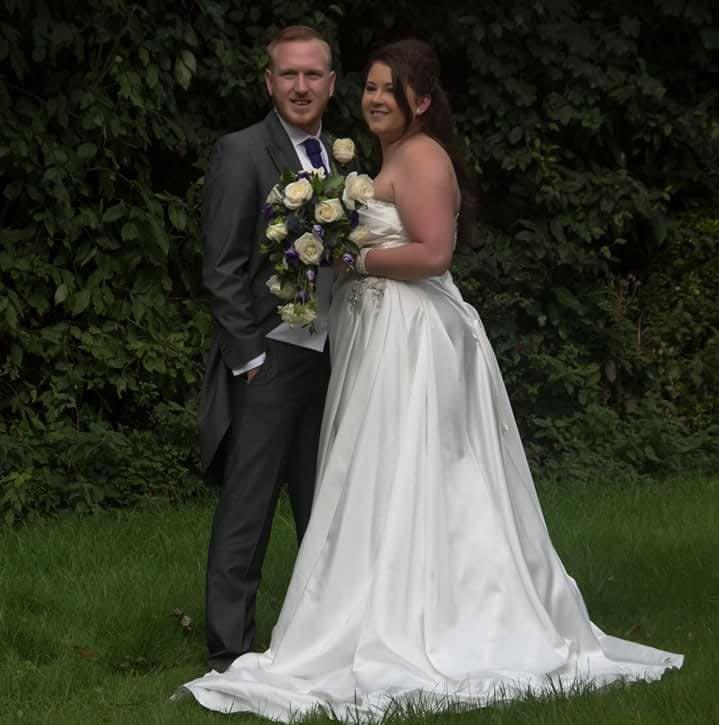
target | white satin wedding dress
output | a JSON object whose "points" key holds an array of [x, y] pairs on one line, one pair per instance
{"points": [[427, 571]]}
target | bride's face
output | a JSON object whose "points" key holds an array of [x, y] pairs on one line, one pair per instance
{"points": [[379, 106]]}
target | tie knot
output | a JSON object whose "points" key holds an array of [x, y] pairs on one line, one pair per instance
{"points": [[312, 145], [314, 151]]}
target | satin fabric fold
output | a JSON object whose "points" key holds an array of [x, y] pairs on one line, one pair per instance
{"points": [[427, 571]]}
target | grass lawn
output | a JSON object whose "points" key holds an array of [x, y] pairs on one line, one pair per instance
{"points": [[87, 633]]}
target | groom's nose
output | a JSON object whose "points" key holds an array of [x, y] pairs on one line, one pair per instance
{"points": [[301, 83]]}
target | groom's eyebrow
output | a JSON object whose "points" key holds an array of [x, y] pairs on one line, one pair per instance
{"points": [[307, 71]]}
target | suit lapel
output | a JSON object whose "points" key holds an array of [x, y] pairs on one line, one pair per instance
{"points": [[327, 140], [279, 146], [282, 151]]}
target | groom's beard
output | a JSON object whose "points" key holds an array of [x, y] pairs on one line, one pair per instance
{"points": [[302, 112]]}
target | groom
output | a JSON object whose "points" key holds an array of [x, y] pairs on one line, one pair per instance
{"points": [[262, 399]]}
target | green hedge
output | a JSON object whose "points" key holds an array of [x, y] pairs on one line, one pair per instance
{"points": [[591, 129]]}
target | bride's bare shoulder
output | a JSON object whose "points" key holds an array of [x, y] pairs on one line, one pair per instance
{"points": [[420, 144], [422, 154]]}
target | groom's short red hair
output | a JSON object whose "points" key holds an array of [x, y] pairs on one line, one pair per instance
{"points": [[295, 33]]}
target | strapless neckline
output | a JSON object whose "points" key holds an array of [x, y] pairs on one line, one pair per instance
{"points": [[385, 228], [392, 205], [383, 224], [383, 202]]}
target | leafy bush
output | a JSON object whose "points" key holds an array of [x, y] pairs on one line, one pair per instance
{"points": [[630, 391], [680, 319], [589, 128], [89, 469]]}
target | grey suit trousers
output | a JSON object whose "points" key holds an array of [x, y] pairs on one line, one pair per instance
{"points": [[272, 441]]}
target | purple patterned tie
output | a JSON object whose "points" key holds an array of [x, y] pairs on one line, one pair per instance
{"points": [[314, 151]]}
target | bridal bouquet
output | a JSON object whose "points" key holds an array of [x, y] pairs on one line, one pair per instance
{"points": [[312, 221]]}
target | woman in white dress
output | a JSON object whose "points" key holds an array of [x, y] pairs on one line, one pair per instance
{"points": [[427, 571]]}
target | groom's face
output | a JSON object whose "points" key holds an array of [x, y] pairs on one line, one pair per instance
{"points": [[300, 82]]}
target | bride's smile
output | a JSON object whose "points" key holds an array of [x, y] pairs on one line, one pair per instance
{"points": [[390, 113], [379, 105]]}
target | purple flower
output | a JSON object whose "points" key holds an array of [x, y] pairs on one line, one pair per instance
{"points": [[348, 259], [318, 230], [311, 274], [291, 256], [302, 296], [354, 218], [304, 175], [268, 211]]}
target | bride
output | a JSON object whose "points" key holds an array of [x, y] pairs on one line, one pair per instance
{"points": [[427, 572]]}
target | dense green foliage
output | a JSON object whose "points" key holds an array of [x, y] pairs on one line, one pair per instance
{"points": [[591, 127]]}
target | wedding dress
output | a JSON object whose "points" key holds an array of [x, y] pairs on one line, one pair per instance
{"points": [[427, 571]]}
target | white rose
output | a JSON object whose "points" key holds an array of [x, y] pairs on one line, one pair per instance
{"points": [[297, 193], [275, 196], [277, 231], [358, 235], [286, 291], [343, 149], [329, 211], [310, 248], [358, 188], [274, 285], [296, 314]]}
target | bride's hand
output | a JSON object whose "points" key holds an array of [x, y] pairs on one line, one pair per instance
{"points": [[339, 266]]}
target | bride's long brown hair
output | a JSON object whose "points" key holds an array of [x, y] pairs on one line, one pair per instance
{"points": [[414, 63]]}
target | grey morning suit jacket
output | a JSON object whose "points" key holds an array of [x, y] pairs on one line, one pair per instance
{"points": [[243, 168]]}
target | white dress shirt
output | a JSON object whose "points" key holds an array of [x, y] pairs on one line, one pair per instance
{"points": [[298, 137], [299, 336]]}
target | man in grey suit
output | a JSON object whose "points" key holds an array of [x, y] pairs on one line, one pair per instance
{"points": [[262, 399]]}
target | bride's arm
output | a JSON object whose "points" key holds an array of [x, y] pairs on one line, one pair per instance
{"points": [[426, 197]]}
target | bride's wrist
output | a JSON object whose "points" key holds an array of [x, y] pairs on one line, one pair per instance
{"points": [[361, 261]]}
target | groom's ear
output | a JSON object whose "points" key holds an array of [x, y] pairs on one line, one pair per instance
{"points": [[268, 81], [333, 79]]}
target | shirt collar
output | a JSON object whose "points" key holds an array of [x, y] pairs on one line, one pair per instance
{"points": [[297, 135]]}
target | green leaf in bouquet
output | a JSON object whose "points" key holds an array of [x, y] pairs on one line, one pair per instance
{"points": [[334, 185], [331, 236], [342, 226]]}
